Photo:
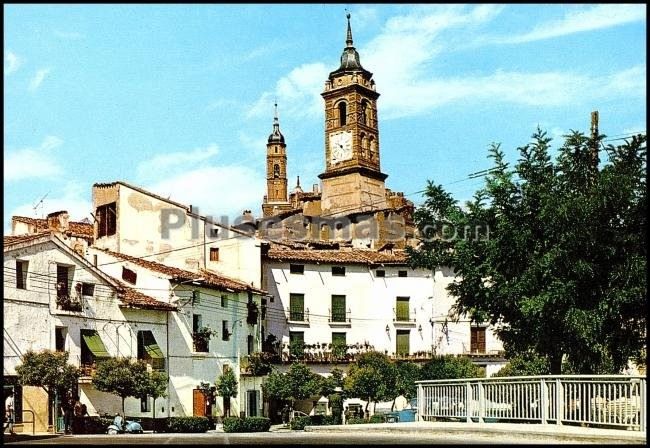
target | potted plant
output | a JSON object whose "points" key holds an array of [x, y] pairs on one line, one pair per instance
{"points": [[201, 337]]}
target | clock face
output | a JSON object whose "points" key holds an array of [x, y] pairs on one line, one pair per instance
{"points": [[340, 147]]}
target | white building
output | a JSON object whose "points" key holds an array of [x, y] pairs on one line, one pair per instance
{"points": [[54, 299], [369, 300]]}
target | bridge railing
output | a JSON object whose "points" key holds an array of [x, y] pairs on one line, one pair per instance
{"points": [[614, 401]]}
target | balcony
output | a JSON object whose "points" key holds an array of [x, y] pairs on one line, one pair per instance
{"points": [[65, 302], [402, 317], [297, 316], [339, 317]]}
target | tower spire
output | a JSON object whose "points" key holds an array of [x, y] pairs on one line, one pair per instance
{"points": [[348, 40], [276, 135]]}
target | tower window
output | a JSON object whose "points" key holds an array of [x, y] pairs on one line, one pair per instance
{"points": [[343, 113], [364, 145], [373, 148], [276, 170], [363, 118]]}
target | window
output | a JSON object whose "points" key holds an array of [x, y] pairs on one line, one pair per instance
{"points": [[95, 260], [149, 350], [477, 340], [129, 275], [21, 274], [214, 254], [296, 336], [276, 171], [402, 273], [297, 268], [63, 281], [338, 270], [403, 342], [196, 297], [364, 112], [60, 334], [338, 308], [380, 273], [343, 113], [225, 331], [224, 301], [250, 342], [145, 404], [297, 307], [402, 309], [196, 322], [88, 289], [106, 220]]}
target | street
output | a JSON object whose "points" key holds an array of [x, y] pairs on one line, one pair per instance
{"points": [[289, 438]]}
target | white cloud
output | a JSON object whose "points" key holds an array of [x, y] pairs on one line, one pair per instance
{"points": [[31, 162], [578, 20], [216, 190], [166, 164], [38, 78], [298, 93], [73, 198], [12, 63]]}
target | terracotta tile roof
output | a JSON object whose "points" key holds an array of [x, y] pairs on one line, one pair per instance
{"points": [[10, 240], [135, 299], [210, 278], [340, 256], [75, 228]]}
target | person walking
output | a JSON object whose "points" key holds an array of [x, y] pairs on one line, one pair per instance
{"points": [[9, 413], [68, 413]]}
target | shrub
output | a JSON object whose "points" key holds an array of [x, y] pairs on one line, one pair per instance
{"points": [[356, 421], [336, 403], [331, 420], [188, 424], [377, 418], [299, 423], [247, 424], [97, 425]]}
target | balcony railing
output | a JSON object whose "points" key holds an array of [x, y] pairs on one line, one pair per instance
{"points": [[402, 315], [339, 315], [298, 315]]}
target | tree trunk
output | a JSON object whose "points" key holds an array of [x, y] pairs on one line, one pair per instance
{"points": [[556, 364], [154, 414], [123, 398]]}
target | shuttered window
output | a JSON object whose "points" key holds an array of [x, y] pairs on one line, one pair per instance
{"points": [[338, 309], [402, 309], [403, 342], [297, 307], [477, 340]]}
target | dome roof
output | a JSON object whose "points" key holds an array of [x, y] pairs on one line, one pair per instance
{"points": [[350, 61]]}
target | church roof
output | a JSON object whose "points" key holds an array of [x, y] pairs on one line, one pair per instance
{"points": [[276, 136]]}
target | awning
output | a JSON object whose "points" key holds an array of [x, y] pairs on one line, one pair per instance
{"points": [[150, 345], [95, 344]]}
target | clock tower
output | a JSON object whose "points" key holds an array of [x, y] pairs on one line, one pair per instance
{"points": [[352, 181], [276, 200]]}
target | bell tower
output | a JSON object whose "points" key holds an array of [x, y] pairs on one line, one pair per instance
{"points": [[352, 180], [276, 199]]}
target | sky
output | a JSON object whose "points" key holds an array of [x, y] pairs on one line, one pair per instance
{"points": [[178, 99]]}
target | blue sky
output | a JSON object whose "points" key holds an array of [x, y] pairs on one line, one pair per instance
{"points": [[179, 99]]}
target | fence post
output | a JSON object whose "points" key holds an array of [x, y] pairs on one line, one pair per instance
{"points": [[643, 401], [543, 402], [559, 401], [468, 400], [481, 402], [420, 402]]}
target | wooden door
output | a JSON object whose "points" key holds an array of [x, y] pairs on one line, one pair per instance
{"points": [[199, 403]]}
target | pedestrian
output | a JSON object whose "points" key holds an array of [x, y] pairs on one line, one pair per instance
{"points": [[9, 412], [68, 412], [346, 415], [77, 412], [400, 402]]}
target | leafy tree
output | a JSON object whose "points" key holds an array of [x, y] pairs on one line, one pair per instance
{"points": [[372, 376], [443, 367], [123, 377], [156, 387], [525, 364], [228, 388], [48, 369], [555, 256], [329, 384], [407, 374], [298, 383]]}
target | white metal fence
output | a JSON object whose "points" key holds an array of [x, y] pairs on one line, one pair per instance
{"points": [[598, 400]]}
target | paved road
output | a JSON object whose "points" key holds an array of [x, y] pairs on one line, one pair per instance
{"points": [[284, 438]]}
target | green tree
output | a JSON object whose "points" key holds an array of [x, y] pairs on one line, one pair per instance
{"points": [[156, 387], [525, 364], [373, 376], [328, 385], [555, 256], [443, 367], [123, 377], [298, 383], [407, 374], [48, 369], [227, 387]]}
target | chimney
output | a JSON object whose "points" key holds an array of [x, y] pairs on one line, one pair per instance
{"points": [[58, 221], [315, 188]]}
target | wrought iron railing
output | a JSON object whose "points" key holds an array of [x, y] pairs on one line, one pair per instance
{"points": [[298, 314], [403, 315], [599, 400], [339, 315]]}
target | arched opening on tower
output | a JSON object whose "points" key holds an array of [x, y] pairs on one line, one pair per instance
{"points": [[343, 113]]}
